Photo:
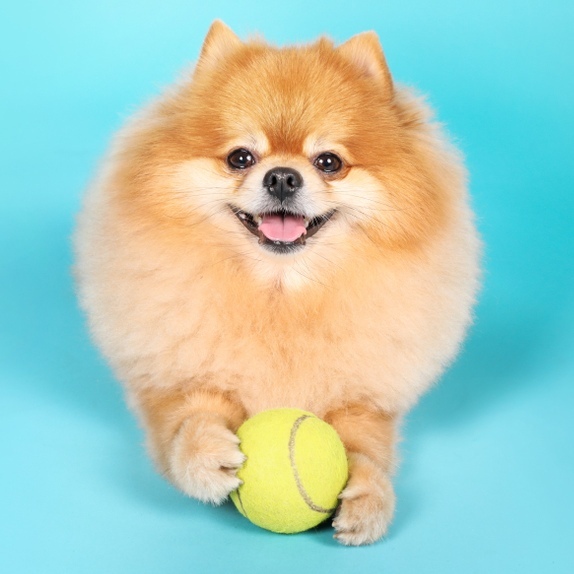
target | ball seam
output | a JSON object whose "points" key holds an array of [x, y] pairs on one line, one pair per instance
{"points": [[304, 494]]}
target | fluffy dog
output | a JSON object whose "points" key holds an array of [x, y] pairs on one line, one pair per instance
{"points": [[285, 227]]}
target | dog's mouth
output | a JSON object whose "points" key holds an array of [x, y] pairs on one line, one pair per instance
{"points": [[282, 231]]}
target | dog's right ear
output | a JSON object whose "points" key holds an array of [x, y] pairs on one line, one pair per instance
{"points": [[219, 42]]}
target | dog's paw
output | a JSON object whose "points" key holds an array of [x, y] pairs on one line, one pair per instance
{"points": [[366, 509], [205, 458]]}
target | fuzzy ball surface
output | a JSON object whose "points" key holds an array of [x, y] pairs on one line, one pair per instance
{"points": [[296, 468]]}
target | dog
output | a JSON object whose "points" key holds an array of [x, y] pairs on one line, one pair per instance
{"points": [[284, 227]]}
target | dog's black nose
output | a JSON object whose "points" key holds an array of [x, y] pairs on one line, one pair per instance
{"points": [[282, 182]]}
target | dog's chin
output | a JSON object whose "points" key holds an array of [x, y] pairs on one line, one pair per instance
{"points": [[282, 247], [274, 239]]}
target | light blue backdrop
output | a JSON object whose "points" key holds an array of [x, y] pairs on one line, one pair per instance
{"points": [[487, 480]]}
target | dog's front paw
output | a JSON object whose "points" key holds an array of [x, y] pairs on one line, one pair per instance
{"points": [[205, 458], [367, 506]]}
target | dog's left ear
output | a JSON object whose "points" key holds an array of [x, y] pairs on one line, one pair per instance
{"points": [[219, 42], [364, 52]]}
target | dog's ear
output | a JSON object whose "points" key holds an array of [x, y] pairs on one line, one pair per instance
{"points": [[219, 42], [364, 52]]}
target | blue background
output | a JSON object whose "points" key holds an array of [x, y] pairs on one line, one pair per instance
{"points": [[487, 479]]}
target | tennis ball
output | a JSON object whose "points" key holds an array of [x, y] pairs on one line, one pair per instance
{"points": [[296, 468]]}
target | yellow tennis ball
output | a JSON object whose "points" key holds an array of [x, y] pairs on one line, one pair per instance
{"points": [[296, 468]]}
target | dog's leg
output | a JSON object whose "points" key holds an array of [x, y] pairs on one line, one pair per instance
{"points": [[368, 501], [192, 435]]}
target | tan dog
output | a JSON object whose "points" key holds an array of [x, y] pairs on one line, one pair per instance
{"points": [[283, 228]]}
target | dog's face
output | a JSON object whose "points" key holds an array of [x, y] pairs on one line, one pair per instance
{"points": [[294, 157]]}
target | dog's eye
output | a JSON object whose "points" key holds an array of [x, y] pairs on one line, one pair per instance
{"points": [[240, 159], [328, 162]]}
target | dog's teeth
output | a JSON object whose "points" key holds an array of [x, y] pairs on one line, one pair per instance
{"points": [[242, 215], [258, 219]]}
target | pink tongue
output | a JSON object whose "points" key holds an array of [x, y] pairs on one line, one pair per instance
{"points": [[279, 228]]}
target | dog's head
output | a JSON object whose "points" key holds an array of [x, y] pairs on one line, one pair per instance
{"points": [[292, 158]]}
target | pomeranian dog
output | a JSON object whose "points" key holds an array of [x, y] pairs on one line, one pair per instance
{"points": [[285, 227]]}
